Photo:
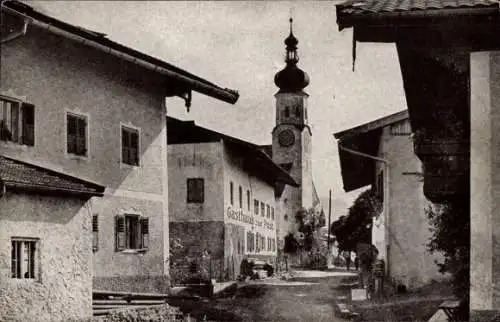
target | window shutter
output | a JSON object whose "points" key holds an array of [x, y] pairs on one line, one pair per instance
{"points": [[145, 232], [81, 136], [28, 124], [120, 232], [95, 233], [71, 134], [134, 147]]}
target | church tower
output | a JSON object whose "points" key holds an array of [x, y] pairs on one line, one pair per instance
{"points": [[292, 136]]}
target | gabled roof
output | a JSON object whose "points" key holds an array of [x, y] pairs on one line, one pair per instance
{"points": [[352, 12], [23, 176], [358, 171], [255, 160], [98, 40], [373, 125]]}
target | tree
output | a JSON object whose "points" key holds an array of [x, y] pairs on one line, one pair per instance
{"points": [[450, 224], [356, 226]]}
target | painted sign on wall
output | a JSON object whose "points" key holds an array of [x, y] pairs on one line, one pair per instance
{"points": [[241, 216]]}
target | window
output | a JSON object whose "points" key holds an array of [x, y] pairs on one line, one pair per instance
{"points": [[95, 233], [272, 213], [23, 260], [240, 195], [268, 208], [231, 192], [195, 190], [130, 146], [250, 242], [256, 206], [76, 134], [286, 217], [262, 209], [297, 111], [17, 121], [248, 200], [132, 232], [380, 186], [287, 111]]}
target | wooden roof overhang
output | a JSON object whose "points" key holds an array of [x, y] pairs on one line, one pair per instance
{"points": [[433, 49]]}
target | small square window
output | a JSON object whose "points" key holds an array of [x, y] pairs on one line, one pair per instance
{"points": [[195, 190], [130, 146], [24, 258]]}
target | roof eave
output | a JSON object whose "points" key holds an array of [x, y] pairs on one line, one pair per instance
{"points": [[66, 30], [346, 18], [31, 188]]}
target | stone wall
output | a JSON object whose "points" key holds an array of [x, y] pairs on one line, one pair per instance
{"points": [[194, 245], [62, 288]]}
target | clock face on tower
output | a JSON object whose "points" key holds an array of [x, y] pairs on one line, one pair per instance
{"points": [[286, 138]]}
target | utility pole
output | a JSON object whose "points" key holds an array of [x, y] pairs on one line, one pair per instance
{"points": [[329, 218]]}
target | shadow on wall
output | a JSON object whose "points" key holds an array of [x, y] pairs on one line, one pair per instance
{"points": [[39, 208]]}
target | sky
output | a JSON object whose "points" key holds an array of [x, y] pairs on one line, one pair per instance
{"points": [[239, 45]]}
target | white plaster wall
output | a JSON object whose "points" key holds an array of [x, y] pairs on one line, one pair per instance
{"points": [[259, 190], [64, 288], [408, 226], [481, 251]]}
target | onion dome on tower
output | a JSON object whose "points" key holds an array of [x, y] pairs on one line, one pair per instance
{"points": [[291, 78]]}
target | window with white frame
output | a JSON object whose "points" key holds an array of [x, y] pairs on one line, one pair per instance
{"points": [[17, 121], [256, 206], [132, 232], [130, 146], [268, 208], [262, 209], [24, 258], [248, 200], [76, 134]]}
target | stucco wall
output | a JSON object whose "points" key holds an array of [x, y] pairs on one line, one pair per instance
{"points": [[59, 75], [485, 181], [201, 160], [63, 290], [409, 262]]}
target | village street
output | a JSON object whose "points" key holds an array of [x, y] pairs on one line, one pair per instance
{"points": [[309, 296]]}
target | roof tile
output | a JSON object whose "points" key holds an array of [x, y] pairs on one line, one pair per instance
{"points": [[16, 172], [377, 6]]}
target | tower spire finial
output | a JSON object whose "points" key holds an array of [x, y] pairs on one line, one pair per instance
{"points": [[291, 20]]}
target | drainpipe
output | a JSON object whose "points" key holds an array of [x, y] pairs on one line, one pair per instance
{"points": [[386, 196], [14, 35]]}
